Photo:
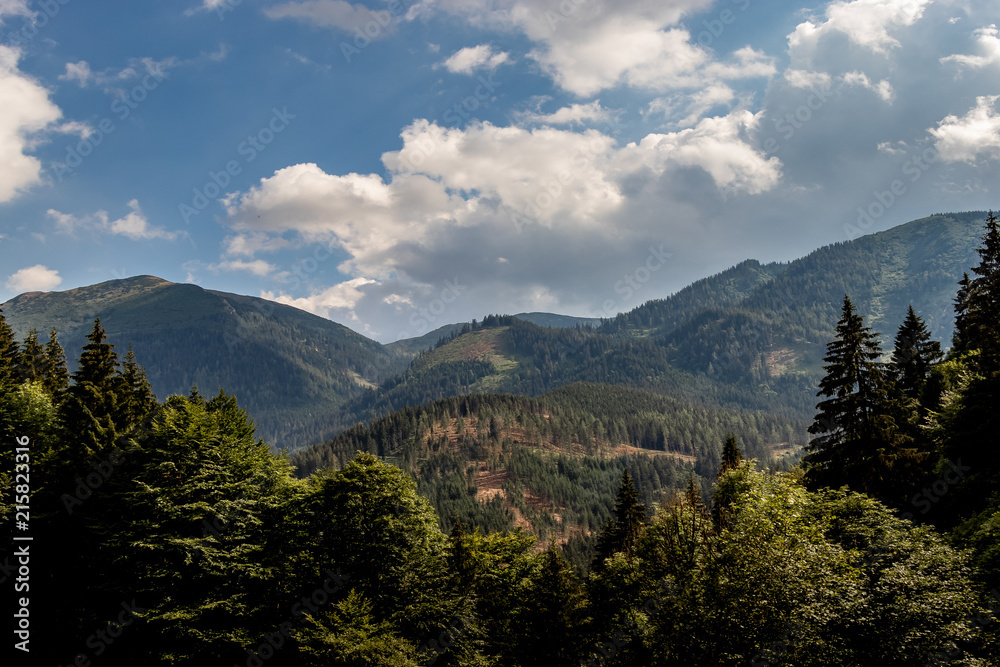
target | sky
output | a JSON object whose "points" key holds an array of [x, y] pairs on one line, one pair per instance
{"points": [[400, 165]]}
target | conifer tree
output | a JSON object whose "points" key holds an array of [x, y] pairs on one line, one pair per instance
{"points": [[859, 442], [554, 615], [731, 454], [977, 305], [913, 355], [92, 405], [56, 373], [31, 364], [138, 399], [9, 353], [621, 533]]}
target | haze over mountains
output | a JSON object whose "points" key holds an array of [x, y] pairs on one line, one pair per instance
{"points": [[749, 338]]}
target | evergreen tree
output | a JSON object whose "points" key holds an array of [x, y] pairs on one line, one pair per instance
{"points": [[968, 423], [56, 378], [621, 533], [31, 364], [859, 443], [913, 355], [9, 355], [731, 454], [93, 401], [555, 614], [977, 305], [138, 399]]}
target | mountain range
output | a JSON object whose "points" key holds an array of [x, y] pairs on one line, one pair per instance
{"points": [[750, 338]]}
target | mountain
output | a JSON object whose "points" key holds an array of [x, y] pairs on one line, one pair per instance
{"points": [[750, 337], [291, 370]]}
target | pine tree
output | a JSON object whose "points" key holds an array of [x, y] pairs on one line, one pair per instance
{"points": [[554, 615], [731, 454], [138, 399], [56, 373], [913, 355], [92, 405], [31, 364], [977, 304], [970, 434], [9, 354], [621, 533], [859, 441]]}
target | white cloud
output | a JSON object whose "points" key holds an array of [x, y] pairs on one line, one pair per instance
{"points": [[867, 23], [471, 58], [248, 245], [33, 278], [337, 14], [14, 8], [694, 105], [339, 300], [25, 112], [976, 134], [208, 6], [799, 78], [883, 88], [589, 46], [79, 72], [720, 146], [257, 267], [134, 225], [989, 44], [574, 114]]}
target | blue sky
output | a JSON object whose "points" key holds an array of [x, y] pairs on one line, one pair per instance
{"points": [[396, 166]]}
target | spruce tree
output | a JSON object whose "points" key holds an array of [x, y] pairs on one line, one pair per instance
{"points": [[859, 442], [93, 401], [137, 395], [971, 432], [731, 454], [913, 355], [31, 364], [9, 355], [621, 533], [56, 373], [978, 316]]}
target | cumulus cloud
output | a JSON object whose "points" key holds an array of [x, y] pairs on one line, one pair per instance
{"points": [[509, 205], [471, 58], [27, 111], [33, 278], [867, 23], [974, 135], [721, 146], [988, 39], [134, 225]]}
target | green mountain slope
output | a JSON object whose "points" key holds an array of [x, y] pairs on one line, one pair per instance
{"points": [[291, 369], [551, 464]]}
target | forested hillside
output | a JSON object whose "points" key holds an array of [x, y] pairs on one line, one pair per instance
{"points": [[292, 370], [551, 464]]}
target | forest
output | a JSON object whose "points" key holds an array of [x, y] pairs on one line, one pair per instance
{"points": [[169, 533]]}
